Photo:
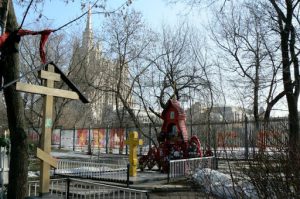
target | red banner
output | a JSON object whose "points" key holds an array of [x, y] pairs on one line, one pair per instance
{"points": [[99, 138], [55, 138], [82, 136], [116, 138]]}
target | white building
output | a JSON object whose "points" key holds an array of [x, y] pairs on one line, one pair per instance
{"points": [[97, 76], [200, 114]]}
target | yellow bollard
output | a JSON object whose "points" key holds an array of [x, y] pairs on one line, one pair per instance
{"points": [[133, 143]]}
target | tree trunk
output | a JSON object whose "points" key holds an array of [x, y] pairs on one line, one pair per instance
{"points": [[271, 104], [18, 170], [288, 88], [255, 102]]}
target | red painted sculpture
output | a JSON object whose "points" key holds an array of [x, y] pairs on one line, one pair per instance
{"points": [[173, 140]]}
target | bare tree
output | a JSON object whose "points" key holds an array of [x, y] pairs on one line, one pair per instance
{"points": [[252, 54], [177, 68], [15, 107], [57, 51], [285, 17], [284, 22], [127, 40]]}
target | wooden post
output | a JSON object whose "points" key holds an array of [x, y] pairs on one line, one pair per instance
{"points": [[133, 143], [46, 135]]}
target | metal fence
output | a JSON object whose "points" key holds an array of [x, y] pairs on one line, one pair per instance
{"points": [[187, 167], [246, 135], [58, 187], [69, 188], [93, 170]]}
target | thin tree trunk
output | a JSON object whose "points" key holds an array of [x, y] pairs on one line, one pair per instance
{"points": [[288, 88], [18, 170], [271, 104], [256, 88]]}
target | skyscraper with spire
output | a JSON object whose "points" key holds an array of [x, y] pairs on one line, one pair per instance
{"points": [[95, 74]]}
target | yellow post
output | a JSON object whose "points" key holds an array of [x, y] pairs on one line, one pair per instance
{"points": [[133, 143]]}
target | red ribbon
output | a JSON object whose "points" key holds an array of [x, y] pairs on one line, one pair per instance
{"points": [[44, 37]]}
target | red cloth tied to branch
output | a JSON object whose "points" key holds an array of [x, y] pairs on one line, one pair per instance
{"points": [[44, 37]]}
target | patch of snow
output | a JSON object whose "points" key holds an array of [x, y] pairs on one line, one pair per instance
{"points": [[222, 185], [85, 170], [33, 174], [69, 154]]}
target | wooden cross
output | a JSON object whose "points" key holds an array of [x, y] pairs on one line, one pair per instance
{"points": [[133, 142], [43, 153]]}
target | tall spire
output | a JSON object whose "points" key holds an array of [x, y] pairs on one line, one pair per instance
{"points": [[89, 19], [87, 39]]}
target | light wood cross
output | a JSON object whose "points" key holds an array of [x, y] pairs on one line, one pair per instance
{"points": [[133, 143], [48, 90]]}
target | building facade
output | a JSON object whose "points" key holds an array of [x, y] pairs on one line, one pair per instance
{"points": [[100, 78]]}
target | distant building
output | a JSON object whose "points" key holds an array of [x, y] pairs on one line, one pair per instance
{"points": [[199, 114]]}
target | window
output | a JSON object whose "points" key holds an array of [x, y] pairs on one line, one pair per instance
{"points": [[172, 115]]}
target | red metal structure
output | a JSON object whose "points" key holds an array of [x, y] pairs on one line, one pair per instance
{"points": [[173, 140]]}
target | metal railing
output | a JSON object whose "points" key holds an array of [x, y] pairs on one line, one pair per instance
{"points": [[73, 188], [92, 170], [187, 167], [57, 187]]}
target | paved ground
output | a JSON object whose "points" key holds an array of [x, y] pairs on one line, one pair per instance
{"points": [[179, 195], [150, 180]]}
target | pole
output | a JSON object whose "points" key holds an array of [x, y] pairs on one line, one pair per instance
{"points": [[191, 114], [106, 143], [128, 169], [98, 142], [150, 136], [89, 142], [246, 138], [74, 138], [169, 170], [68, 187], [2, 162], [60, 137], [126, 139]]}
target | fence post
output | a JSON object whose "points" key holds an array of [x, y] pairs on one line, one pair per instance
{"points": [[89, 142], [60, 137], [106, 139], [149, 136], [246, 138], [74, 138], [127, 179], [215, 162], [68, 187], [169, 170], [126, 134]]}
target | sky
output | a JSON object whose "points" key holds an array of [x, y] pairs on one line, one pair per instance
{"points": [[57, 13]]}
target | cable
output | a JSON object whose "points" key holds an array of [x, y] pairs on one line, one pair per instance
{"points": [[42, 66]]}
